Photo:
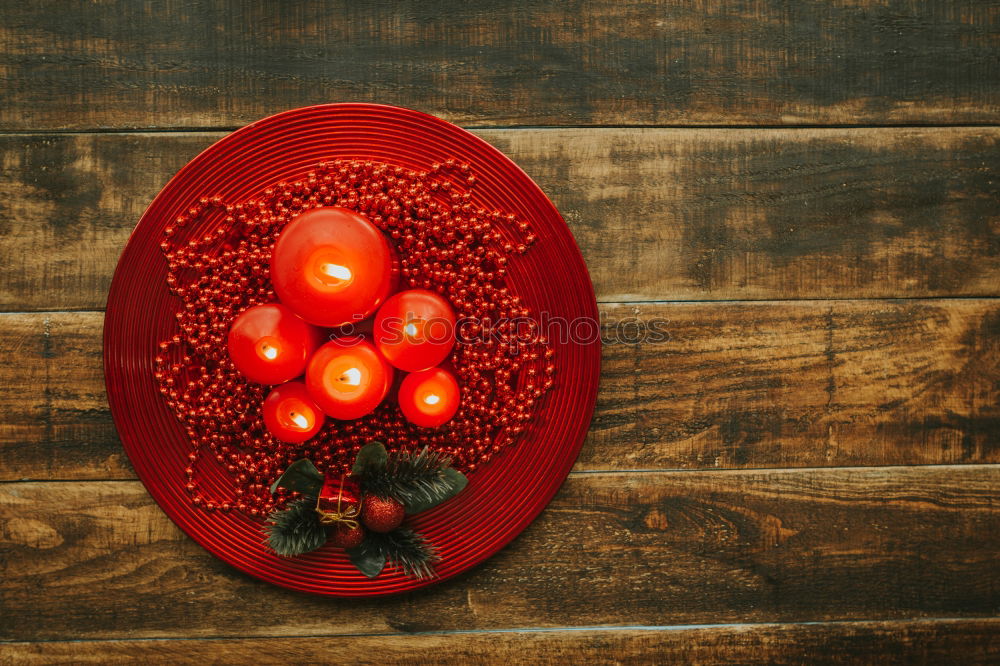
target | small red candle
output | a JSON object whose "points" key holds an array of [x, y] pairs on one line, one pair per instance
{"points": [[332, 266], [348, 378], [290, 414], [270, 344], [429, 398], [415, 329]]}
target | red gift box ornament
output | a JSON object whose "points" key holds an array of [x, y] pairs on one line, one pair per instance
{"points": [[339, 503]]}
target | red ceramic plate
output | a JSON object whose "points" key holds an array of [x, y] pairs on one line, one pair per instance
{"points": [[504, 496]]}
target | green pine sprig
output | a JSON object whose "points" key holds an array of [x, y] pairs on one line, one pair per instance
{"points": [[418, 480], [403, 547], [296, 529]]}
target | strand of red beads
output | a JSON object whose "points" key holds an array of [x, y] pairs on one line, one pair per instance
{"points": [[445, 243]]}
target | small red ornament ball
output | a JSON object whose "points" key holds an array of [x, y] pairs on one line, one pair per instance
{"points": [[343, 536], [381, 514]]}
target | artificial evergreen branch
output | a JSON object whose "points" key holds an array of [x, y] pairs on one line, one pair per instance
{"points": [[402, 546], [418, 480], [296, 529]]}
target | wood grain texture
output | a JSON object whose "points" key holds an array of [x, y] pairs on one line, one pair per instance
{"points": [[900, 642], [797, 540], [659, 214], [798, 384], [56, 419], [101, 560], [729, 385], [224, 63]]}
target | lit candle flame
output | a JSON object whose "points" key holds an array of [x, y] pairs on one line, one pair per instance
{"points": [[432, 399], [351, 376], [270, 353], [411, 330], [337, 271], [299, 420]]}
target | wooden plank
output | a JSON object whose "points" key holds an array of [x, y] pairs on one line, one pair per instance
{"points": [[56, 419], [659, 214], [223, 63], [732, 385], [799, 384], [901, 642], [99, 560], [751, 214]]}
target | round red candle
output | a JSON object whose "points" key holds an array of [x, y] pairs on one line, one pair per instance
{"points": [[429, 398], [270, 344], [332, 266], [290, 414], [348, 378], [415, 329]]}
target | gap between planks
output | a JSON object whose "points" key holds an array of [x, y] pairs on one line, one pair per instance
{"points": [[619, 302], [639, 472], [208, 129], [668, 628]]}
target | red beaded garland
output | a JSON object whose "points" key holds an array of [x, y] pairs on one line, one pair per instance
{"points": [[445, 243]]}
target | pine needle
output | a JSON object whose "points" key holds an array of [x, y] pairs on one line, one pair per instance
{"points": [[296, 529], [404, 547], [408, 477]]}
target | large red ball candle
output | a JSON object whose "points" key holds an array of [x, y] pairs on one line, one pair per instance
{"points": [[290, 414], [348, 378], [415, 329], [332, 266], [429, 398], [270, 344]]}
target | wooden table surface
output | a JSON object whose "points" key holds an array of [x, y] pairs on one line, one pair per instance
{"points": [[805, 192]]}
